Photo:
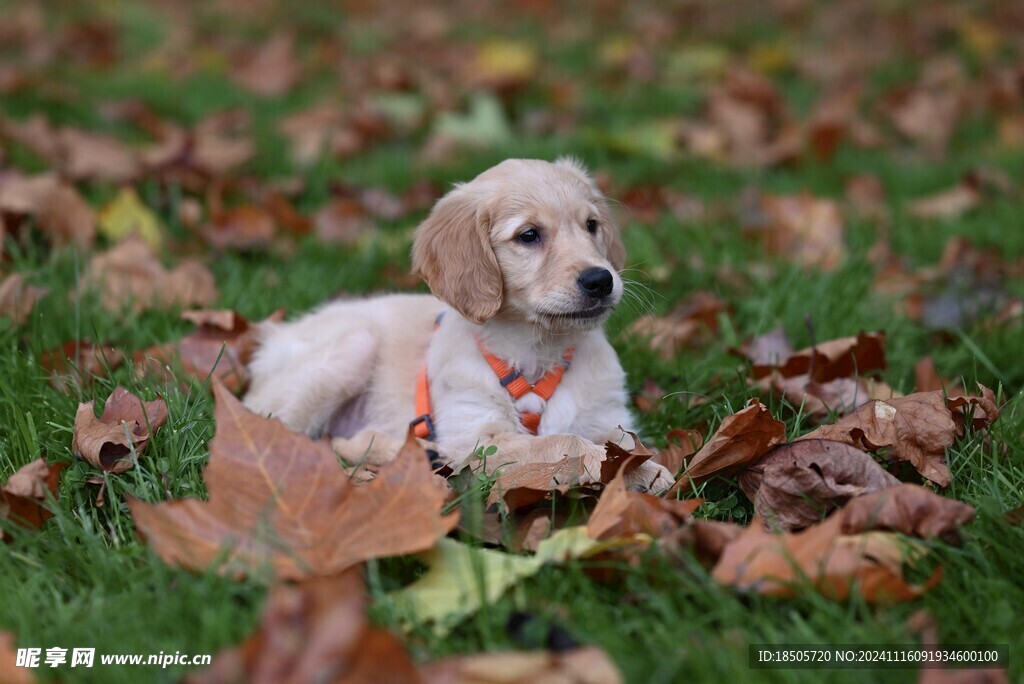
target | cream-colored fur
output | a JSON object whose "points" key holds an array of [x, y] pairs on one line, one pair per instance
{"points": [[350, 368]]}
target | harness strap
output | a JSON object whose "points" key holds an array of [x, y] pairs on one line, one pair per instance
{"points": [[510, 378], [517, 386], [423, 423]]}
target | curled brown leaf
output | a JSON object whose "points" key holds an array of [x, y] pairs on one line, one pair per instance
{"points": [[741, 439], [126, 425], [795, 485]]}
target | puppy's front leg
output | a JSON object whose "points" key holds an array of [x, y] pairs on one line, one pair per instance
{"points": [[367, 447], [516, 447]]}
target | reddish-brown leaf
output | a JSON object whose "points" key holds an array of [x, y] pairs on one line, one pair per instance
{"points": [[60, 212], [802, 228], [619, 460], [682, 444], [922, 624], [795, 485], [840, 358], [585, 665], [521, 485], [907, 508], [220, 347], [270, 70], [127, 424], [623, 514], [85, 155], [280, 499], [18, 298], [705, 539], [77, 362], [947, 204], [917, 428], [130, 276], [832, 563], [741, 439], [22, 497], [10, 673], [817, 401], [693, 321], [926, 377], [247, 227], [342, 221], [315, 630], [222, 142], [767, 352]]}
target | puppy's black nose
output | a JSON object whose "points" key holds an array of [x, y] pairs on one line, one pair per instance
{"points": [[596, 282]]}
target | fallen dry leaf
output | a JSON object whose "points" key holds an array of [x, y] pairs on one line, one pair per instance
{"points": [[681, 445], [818, 401], [947, 204], [741, 439], [60, 212], [840, 358], [821, 556], [693, 321], [621, 514], [795, 485], [246, 227], [520, 485], [925, 115], [126, 426], [270, 70], [130, 276], [767, 352], [908, 508], [126, 215], [280, 499], [917, 428], [586, 665], [805, 229], [315, 630], [85, 155], [10, 673], [222, 142], [926, 376], [22, 497], [342, 221], [704, 539], [220, 347], [17, 298], [618, 460], [76, 363], [922, 624]]}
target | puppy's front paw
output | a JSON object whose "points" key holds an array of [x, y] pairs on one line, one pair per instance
{"points": [[649, 477]]}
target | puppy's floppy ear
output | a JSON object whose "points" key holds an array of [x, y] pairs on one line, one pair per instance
{"points": [[609, 227], [452, 253]]}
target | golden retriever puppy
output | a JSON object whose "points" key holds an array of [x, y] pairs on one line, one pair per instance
{"points": [[523, 262]]}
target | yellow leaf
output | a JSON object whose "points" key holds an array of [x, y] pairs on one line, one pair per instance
{"points": [[126, 215], [506, 61], [461, 578], [770, 58]]}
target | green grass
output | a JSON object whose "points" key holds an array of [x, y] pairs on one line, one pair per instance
{"points": [[85, 579]]}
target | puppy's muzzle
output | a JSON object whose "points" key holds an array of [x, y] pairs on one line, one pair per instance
{"points": [[595, 282]]}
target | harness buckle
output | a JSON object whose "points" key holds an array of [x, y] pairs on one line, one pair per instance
{"points": [[510, 378], [425, 419]]}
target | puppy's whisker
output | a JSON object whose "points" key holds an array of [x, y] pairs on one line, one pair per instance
{"points": [[639, 296]]}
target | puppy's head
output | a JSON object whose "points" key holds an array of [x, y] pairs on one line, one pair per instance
{"points": [[527, 239]]}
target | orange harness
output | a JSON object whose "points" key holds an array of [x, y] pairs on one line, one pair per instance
{"points": [[510, 378]]}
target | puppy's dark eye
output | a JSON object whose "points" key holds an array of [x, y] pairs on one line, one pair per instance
{"points": [[591, 226], [528, 236]]}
